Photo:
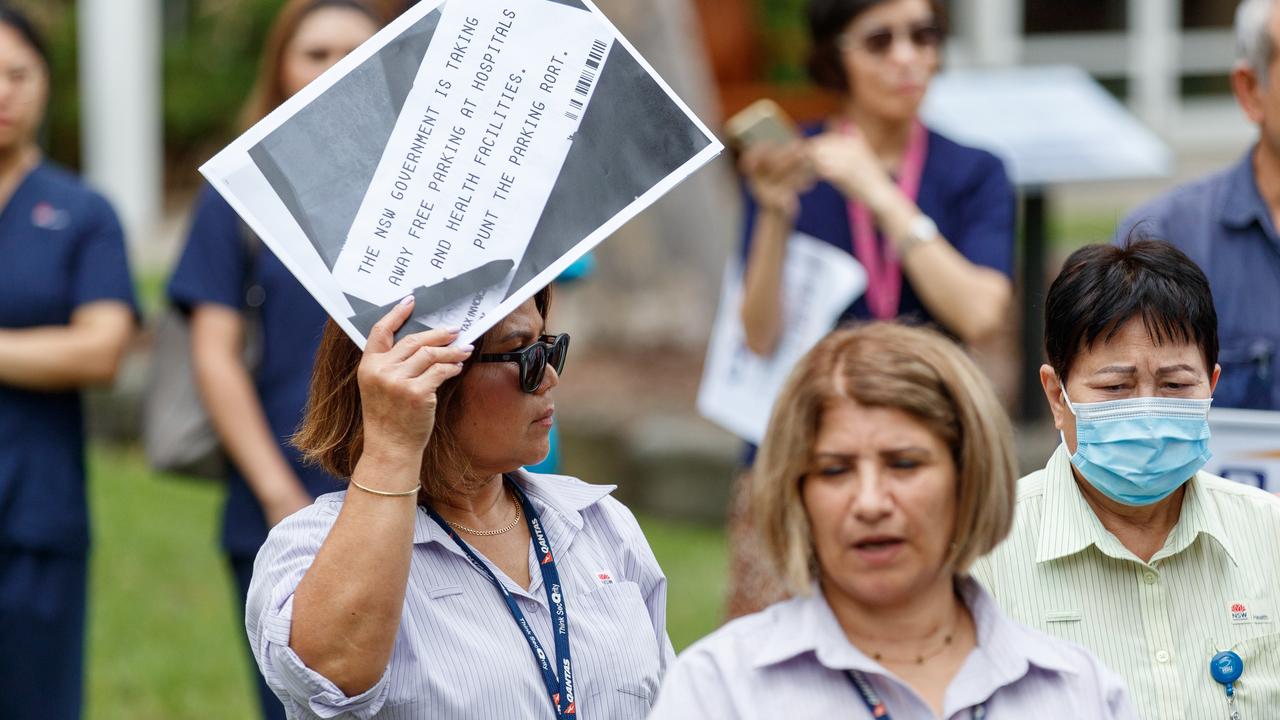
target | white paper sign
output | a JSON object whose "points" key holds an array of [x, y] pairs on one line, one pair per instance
{"points": [[1246, 446], [819, 281], [466, 154]]}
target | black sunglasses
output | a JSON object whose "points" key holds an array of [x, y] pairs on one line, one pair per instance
{"points": [[534, 359], [878, 42]]}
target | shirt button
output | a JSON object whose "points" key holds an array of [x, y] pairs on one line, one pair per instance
{"points": [[1162, 656], [1150, 578]]}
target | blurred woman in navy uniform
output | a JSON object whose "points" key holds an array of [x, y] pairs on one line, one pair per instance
{"points": [[256, 413], [66, 315]]}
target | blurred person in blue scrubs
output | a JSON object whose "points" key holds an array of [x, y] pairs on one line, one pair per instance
{"points": [[255, 413], [66, 315], [1226, 223]]}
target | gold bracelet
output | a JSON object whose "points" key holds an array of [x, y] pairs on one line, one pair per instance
{"points": [[384, 493]]}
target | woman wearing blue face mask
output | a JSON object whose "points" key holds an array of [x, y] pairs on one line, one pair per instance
{"points": [[1121, 542]]}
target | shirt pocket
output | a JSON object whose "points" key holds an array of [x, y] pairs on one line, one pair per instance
{"points": [[1247, 372], [1062, 616], [618, 658], [1257, 692], [444, 591]]}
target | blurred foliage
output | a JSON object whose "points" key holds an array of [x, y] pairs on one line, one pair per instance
{"points": [[786, 37], [210, 52]]}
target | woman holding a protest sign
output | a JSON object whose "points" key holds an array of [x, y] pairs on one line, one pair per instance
{"points": [[447, 582], [66, 315], [888, 468], [226, 276], [931, 221]]}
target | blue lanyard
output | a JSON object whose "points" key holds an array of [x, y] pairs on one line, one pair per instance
{"points": [[560, 689], [876, 706]]}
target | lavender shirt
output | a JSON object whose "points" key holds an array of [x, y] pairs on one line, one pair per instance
{"points": [[789, 661], [458, 653]]}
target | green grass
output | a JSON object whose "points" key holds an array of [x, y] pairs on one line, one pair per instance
{"points": [[150, 286], [1067, 232], [165, 642], [164, 639], [695, 560]]}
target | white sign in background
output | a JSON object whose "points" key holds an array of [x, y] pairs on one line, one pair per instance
{"points": [[819, 281], [1246, 446]]}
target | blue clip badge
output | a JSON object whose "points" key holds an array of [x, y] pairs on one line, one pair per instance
{"points": [[1225, 668]]}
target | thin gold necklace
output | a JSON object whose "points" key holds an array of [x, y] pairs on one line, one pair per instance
{"points": [[920, 658], [490, 533]]}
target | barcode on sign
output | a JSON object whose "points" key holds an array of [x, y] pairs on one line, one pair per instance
{"points": [[588, 78]]}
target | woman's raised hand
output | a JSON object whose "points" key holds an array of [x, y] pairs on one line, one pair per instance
{"points": [[846, 161], [399, 381], [776, 175]]}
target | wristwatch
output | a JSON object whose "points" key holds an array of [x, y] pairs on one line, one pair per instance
{"points": [[921, 231]]}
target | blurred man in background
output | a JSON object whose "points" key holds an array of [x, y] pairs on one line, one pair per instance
{"points": [[1227, 224]]}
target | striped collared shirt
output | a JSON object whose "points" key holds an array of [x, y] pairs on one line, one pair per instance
{"points": [[1213, 586], [458, 653], [789, 661]]}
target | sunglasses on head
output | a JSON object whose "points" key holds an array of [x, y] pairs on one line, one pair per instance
{"points": [[923, 36], [534, 359]]}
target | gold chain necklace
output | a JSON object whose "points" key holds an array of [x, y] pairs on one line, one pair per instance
{"points": [[490, 533], [920, 658]]}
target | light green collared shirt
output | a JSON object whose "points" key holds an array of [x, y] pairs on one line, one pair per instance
{"points": [[1213, 586]]}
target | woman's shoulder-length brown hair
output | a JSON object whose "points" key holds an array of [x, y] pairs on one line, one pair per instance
{"points": [[268, 89], [331, 435], [884, 365]]}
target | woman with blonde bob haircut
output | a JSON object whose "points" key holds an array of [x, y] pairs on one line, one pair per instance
{"points": [[914, 371], [887, 469]]}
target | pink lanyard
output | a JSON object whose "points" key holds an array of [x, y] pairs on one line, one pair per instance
{"points": [[884, 275]]}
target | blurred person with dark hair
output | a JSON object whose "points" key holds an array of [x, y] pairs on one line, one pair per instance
{"points": [[447, 582], [66, 315], [1121, 542], [1227, 224], [888, 468], [223, 270], [937, 251], [931, 221]]}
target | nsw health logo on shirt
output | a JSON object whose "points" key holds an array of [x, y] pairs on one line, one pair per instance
{"points": [[1245, 613], [47, 217]]}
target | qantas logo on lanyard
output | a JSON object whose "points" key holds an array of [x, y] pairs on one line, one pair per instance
{"points": [[541, 538], [557, 687], [567, 673]]}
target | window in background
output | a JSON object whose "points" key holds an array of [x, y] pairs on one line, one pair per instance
{"points": [[1208, 13], [1055, 16], [1215, 16]]}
